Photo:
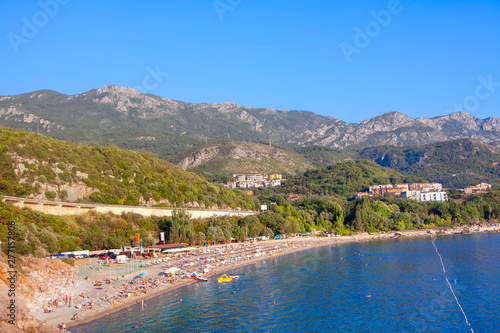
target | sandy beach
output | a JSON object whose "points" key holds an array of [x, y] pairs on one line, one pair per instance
{"points": [[94, 297]]}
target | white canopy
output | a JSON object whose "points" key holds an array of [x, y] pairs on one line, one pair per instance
{"points": [[172, 270]]}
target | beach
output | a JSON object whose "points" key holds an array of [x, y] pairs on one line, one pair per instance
{"points": [[95, 297]]}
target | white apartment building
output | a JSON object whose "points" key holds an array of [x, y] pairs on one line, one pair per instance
{"points": [[425, 196]]}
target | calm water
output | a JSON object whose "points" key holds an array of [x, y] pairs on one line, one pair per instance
{"points": [[392, 286]]}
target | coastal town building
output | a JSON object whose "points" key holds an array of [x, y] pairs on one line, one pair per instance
{"points": [[426, 187], [479, 188], [425, 196], [416, 191], [433, 196], [255, 180]]}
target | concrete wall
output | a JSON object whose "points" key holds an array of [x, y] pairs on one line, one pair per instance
{"points": [[69, 208]]}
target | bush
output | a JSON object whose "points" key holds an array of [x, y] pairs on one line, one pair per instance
{"points": [[51, 195], [63, 195]]}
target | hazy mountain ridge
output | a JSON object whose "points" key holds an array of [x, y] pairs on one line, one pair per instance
{"points": [[98, 113]]}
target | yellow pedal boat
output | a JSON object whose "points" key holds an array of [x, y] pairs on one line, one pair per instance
{"points": [[224, 278]]}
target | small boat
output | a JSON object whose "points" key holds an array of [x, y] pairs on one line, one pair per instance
{"points": [[234, 276], [224, 278], [201, 278]]}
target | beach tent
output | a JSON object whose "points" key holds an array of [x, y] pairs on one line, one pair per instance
{"points": [[172, 270]]}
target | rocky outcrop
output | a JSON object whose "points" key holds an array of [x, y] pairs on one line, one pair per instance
{"points": [[20, 319], [72, 191], [199, 157]]}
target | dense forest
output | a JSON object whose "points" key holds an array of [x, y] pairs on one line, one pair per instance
{"points": [[29, 162]]}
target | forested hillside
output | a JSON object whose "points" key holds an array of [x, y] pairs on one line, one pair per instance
{"points": [[345, 178], [220, 159], [41, 234], [455, 164], [41, 167]]}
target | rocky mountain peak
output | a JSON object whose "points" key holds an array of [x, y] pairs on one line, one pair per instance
{"points": [[388, 121], [140, 111], [119, 90]]}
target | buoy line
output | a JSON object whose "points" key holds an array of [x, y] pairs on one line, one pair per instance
{"points": [[449, 284]]}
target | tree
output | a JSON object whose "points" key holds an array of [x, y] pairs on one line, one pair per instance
{"points": [[252, 225]]}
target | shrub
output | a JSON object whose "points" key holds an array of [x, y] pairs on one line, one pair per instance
{"points": [[51, 195]]}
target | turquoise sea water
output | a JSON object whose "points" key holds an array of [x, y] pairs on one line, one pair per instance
{"points": [[383, 286]]}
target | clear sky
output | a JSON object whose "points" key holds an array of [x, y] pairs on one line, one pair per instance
{"points": [[348, 59]]}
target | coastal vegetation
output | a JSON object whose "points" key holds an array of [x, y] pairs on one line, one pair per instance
{"points": [[42, 234], [34, 165]]}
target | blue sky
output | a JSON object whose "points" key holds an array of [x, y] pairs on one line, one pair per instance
{"points": [[348, 59]]}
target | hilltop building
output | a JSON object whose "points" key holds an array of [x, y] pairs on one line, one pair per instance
{"points": [[416, 191], [256, 180], [426, 187], [479, 188], [422, 196]]}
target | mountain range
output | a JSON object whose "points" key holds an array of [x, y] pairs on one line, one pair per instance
{"points": [[134, 120]]}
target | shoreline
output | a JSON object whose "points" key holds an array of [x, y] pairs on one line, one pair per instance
{"points": [[284, 246], [221, 270]]}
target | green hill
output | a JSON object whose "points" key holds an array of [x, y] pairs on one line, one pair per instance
{"points": [[455, 164], [321, 156], [345, 178], [220, 159], [46, 168]]}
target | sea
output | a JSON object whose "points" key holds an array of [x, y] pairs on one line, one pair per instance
{"points": [[378, 286]]}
